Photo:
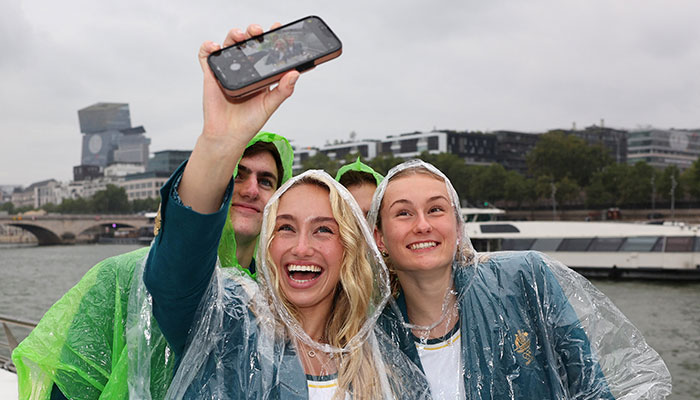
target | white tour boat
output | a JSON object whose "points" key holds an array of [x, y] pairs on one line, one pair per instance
{"points": [[597, 248]]}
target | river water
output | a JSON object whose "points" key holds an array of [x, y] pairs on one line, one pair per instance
{"points": [[667, 313]]}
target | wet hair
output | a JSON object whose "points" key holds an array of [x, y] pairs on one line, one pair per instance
{"points": [[351, 303], [260, 147], [357, 178]]}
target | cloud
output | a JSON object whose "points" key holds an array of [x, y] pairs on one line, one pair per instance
{"points": [[406, 66]]}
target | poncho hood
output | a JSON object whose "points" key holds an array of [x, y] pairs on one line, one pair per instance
{"points": [[465, 250], [227, 245], [359, 166], [248, 341]]}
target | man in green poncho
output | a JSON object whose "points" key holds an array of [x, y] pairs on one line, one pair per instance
{"points": [[86, 345], [361, 181]]}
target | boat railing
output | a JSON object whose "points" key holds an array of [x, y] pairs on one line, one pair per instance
{"points": [[10, 340]]}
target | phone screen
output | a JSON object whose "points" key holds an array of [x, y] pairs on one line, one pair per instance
{"points": [[276, 51]]}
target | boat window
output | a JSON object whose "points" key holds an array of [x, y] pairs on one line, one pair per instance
{"points": [[517, 244], [469, 217], [659, 246], [548, 244], [640, 243], [606, 244], [499, 228], [679, 243], [578, 244], [697, 245]]}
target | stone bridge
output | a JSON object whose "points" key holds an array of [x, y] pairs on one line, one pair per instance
{"points": [[62, 229]]}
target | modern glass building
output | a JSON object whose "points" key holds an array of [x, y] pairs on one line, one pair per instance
{"points": [[662, 148], [409, 145], [108, 136], [102, 117], [167, 161]]}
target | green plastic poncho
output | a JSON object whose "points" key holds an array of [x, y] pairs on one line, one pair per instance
{"points": [[100, 341], [80, 343], [227, 245], [360, 167]]}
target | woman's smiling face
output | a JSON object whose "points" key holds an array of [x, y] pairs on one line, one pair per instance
{"points": [[418, 223], [306, 248]]}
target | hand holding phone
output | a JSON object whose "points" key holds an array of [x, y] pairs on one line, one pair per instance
{"points": [[229, 124], [262, 60]]}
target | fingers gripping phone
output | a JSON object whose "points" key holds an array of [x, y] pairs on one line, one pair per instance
{"points": [[260, 61]]}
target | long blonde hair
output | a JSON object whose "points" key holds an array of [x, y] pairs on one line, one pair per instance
{"points": [[357, 372]]}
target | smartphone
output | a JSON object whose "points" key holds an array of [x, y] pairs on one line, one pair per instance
{"points": [[260, 61]]}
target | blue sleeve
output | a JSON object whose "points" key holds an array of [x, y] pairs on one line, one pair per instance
{"points": [[181, 262], [580, 370], [56, 393]]}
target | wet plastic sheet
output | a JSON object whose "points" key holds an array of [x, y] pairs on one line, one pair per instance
{"points": [[100, 339], [531, 327], [246, 342], [80, 343], [144, 340], [632, 369]]}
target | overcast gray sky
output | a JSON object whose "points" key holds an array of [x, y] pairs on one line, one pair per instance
{"points": [[407, 65]]}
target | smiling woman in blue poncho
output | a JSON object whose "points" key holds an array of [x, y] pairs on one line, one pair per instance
{"points": [[508, 325]]}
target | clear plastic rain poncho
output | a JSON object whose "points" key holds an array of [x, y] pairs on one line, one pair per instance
{"points": [[529, 327], [143, 336], [247, 343], [100, 339]]}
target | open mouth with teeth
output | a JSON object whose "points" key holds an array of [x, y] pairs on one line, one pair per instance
{"points": [[303, 273], [422, 245]]}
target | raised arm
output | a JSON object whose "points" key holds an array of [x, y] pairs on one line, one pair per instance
{"points": [[194, 201], [229, 124]]}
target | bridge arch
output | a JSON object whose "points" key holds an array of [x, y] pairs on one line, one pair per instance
{"points": [[54, 229], [110, 224], [44, 236]]}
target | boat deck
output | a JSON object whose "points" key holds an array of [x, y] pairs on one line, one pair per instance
{"points": [[8, 385]]}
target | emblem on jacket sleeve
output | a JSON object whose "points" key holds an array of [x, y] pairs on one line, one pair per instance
{"points": [[156, 223], [523, 346]]}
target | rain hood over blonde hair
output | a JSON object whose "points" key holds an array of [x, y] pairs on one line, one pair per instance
{"points": [[250, 339]]}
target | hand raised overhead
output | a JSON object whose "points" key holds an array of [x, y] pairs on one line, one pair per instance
{"points": [[229, 124]]}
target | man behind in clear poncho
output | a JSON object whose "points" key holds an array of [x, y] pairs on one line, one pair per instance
{"points": [[504, 325]]}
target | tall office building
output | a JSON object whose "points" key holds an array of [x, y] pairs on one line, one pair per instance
{"points": [[109, 138], [167, 161], [101, 125], [132, 147]]}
